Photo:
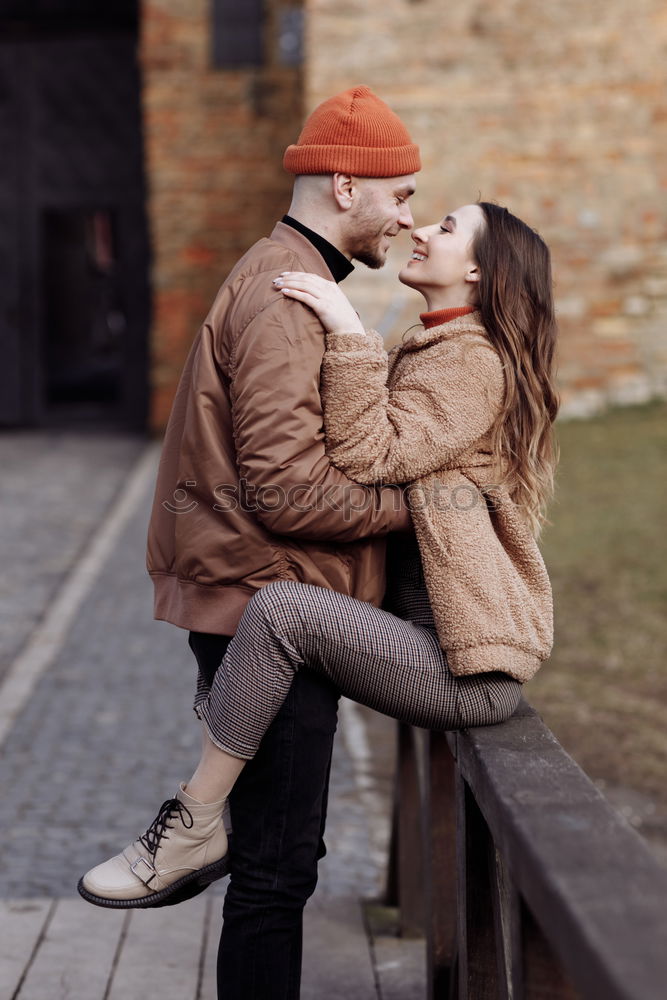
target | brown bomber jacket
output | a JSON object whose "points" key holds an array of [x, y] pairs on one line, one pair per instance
{"points": [[245, 492], [423, 415]]}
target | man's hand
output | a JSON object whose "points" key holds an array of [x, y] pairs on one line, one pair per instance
{"points": [[332, 307]]}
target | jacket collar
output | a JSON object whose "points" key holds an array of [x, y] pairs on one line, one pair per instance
{"points": [[336, 261], [309, 257], [419, 336]]}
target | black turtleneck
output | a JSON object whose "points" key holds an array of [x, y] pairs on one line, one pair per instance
{"points": [[336, 261]]}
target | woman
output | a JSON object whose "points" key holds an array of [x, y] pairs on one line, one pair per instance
{"points": [[460, 415]]}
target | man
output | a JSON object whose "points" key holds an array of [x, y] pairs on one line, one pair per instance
{"points": [[246, 495]]}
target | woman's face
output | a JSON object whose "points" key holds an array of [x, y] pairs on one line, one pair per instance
{"points": [[442, 256]]}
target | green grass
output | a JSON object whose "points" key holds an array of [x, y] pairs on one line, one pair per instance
{"points": [[604, 690]]}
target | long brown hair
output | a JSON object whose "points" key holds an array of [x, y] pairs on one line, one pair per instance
{"points": [[516, 303]]}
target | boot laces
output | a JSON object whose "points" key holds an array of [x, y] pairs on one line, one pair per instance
{"points": [[158, 829]]}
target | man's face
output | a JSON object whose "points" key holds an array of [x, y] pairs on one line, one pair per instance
{"points": [[379, 213]]}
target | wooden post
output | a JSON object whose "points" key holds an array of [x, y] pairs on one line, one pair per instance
{"points": [[543, 975], [391, 887], [477, 969], [409, 851], [506, 905], [440, 866]]}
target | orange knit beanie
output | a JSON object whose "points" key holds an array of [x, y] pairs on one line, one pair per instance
{"points": [[353, 133]]}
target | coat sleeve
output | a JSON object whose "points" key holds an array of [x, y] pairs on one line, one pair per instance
{"points": [[441, 399], [279, 436]]}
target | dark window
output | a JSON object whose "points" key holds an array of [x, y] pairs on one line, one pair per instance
{"points": [[290, 36], [237, 33]]}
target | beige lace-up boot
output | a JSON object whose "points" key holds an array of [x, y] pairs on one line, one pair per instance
{"points": [[180, 854]]}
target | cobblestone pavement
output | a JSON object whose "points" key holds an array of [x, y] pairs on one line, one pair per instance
{"points": [[54, 489], [109, 731]]}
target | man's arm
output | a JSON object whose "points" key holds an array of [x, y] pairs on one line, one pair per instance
{"points": [[277, 415]]}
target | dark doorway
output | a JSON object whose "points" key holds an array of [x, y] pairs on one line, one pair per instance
{"points": [[83, 318], [74, 260]]}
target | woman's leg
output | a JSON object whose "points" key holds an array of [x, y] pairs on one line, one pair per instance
{"points": [[216, 772], [370, 655]]}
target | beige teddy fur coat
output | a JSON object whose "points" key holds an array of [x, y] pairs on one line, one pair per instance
{"points": [[422, 415]]}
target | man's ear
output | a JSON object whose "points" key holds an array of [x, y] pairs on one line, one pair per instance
{"points": [[343, 188], [473, 274]]}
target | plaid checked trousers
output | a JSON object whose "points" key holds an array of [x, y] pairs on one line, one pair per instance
{"points": [[370, 655]]}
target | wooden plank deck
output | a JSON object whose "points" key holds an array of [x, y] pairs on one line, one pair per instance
{"points": [[67, 950]]}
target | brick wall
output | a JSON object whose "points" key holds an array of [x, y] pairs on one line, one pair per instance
{"points": [[559, 111], [214, 141]]}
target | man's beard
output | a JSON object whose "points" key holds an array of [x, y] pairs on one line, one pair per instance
{"points": [[366, 249], [369, 253]]}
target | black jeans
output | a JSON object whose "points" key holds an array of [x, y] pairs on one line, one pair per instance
{"points": [[278, 812]]}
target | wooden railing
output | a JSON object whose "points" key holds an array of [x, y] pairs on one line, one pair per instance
{"points": [[524, 880]]}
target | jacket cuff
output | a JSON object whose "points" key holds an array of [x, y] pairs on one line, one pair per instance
{"points": [[345, 343]]}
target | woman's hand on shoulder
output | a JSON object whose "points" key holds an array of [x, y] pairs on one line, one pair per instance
{"points": [[333, 308]]}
